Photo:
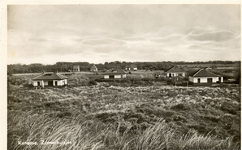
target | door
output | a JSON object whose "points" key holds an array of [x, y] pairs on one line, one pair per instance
{"points": [[38, 83], [219, 79], [50, 83], [56, 83], [210, 80], [198, 80]]}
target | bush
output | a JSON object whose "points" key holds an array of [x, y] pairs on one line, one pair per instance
{"points": [[161, 79], [170, 82], [92, 82], [229, 107], [151, 110], [179, 118], [180, 107]]}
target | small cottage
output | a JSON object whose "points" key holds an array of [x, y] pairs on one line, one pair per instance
{"points": [[76, 68], [159, 74], [131, 68], [205, 76], [175, 72], [94, 69], [114, 74], [50, 79]]}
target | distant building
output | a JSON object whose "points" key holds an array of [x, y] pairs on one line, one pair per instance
{"points": [[205, 76], [94, 69], [175, 72], [114, 74], [226, 68], [131, 68], [76, 68], [159, 74], [50, 79]]}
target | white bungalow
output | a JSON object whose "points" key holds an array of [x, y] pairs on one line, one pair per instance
{"points": [[50, 79], [76, 68], [175, 72], [94, 69], [114, 74], [205, 76], [132, 67]]}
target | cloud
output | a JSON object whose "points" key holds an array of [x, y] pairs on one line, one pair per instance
{"points": [[103, 42], [38, 40], [133, 38], [219, 36], [102, 33]]}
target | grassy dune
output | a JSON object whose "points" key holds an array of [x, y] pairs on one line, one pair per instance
{"points": [[113, 117]]}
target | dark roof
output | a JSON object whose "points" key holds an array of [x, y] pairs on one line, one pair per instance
{"points": [[50, 76], [175, 69], [204, 73], [132, 66], [114, 72]]}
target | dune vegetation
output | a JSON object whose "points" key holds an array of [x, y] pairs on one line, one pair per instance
{"points": [[114, 117]]}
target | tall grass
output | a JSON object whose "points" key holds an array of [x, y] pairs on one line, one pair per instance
{"points": [[93, 135]]}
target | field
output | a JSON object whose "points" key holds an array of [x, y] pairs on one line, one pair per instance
{"points": [[114, 117]]}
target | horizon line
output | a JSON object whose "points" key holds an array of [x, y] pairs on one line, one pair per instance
{"points": [[122, 62]]}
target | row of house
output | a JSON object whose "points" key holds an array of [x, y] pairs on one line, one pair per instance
{"points": [[58, 79], [201, 76], [76, 68]]}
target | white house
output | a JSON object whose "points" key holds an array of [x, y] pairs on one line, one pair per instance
{"points": [[205, 76], [114, 74], [175, 72], [76, 68], [131, 68], [94, 69], [50, 79]]}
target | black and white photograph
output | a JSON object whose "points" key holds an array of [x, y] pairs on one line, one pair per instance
{"points": [[123, 76]]}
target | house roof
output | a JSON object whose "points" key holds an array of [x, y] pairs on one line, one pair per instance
{"points": [[50, 76], [175, 69], [204, 73], [114, 72], [132, 66]]}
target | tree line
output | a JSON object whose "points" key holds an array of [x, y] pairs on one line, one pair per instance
{"points": [[85, 66]]}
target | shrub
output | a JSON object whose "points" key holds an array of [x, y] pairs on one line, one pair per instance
{"points": [[170, 82], [212, 118], [150, 110], [229, 107], [64, 114], [92, 82], [180, 107], [179, 118], [161, 79], [107, 117]]}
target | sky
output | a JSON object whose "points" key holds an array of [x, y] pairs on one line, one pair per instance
{"points": [[103, 33]]}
